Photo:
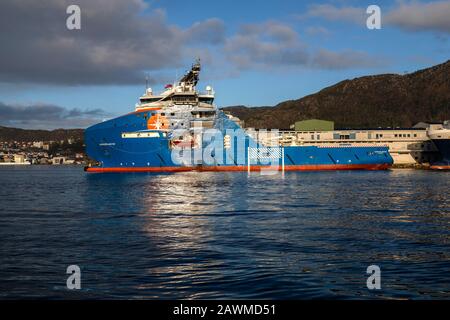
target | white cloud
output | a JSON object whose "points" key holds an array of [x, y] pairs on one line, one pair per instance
{"points": [[265, 45], [317, 31], [407, 15], [210, 31], [118, 42], [346, 59], [273, 45], [41, 115], [416, 16], [332, 13], [121, 41]]}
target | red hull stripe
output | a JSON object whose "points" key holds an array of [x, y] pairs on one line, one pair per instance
{"points": [[438, 167], [243, 168]]}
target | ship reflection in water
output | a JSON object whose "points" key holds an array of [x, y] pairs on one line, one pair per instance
{"points": [[225, 235]]}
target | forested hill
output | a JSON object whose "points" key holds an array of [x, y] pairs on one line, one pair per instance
{"points": [[387, 100]]}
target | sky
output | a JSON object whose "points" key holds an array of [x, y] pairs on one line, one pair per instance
{"points": [[253, 53]]}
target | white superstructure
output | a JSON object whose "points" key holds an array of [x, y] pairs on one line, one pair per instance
{"points": [[181, 93], [439, 131]]}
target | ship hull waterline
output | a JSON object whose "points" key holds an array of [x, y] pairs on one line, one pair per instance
{"points": [[440, 167], [325, 167]]}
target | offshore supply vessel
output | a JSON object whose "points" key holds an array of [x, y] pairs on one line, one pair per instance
{"points": [[182, 130]]}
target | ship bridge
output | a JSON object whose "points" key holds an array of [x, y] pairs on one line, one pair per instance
{"points": [[180, 93]]}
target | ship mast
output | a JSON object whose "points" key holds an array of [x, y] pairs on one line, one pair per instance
{"points": [[191, 78]]}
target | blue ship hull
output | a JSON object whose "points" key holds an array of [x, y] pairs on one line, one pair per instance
{"points": [[150, 150]]}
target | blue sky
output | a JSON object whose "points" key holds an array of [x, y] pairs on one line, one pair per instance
{"points": [[254, 53]]}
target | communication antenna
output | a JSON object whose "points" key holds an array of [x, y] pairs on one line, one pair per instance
{"points": [[146, 82]]}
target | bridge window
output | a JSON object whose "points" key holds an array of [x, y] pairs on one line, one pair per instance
{"points": [[206, 100], [149, 100]]}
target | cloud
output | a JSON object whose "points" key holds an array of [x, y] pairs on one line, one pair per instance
{"points": [[317, 31], [210, 31], [273, 45], [348, 59], [118, 42], [266, 45], [409, 16], [45, 116], [121, 42], [332, 13], [416, 16]]}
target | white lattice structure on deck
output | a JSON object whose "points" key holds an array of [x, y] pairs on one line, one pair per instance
{"points": [[265, 153]]}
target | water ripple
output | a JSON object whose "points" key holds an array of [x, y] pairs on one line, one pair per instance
{"points": [[224, 235]]}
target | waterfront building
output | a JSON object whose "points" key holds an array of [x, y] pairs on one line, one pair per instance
{"points": [[38, 144], [19, 158], [58, 160]]}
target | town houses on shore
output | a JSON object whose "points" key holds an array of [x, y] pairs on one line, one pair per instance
{"points": [[68, 151]]}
